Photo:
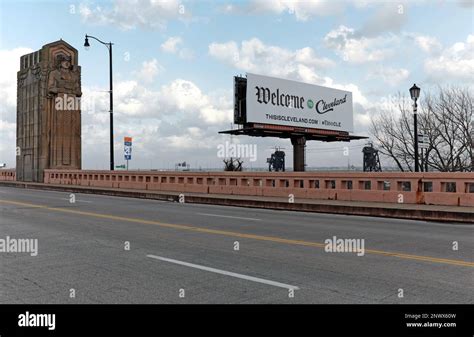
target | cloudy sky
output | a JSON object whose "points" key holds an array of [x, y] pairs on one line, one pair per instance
{"points": [[174, 62]]}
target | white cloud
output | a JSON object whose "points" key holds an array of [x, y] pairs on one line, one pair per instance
{"points": [[357, 95], [8, 143], [303, 10], [131, 14], [455, 62], [392, 76], [227, 52], [186, 97], [182, 95], [171, 44], [308, 57], [390, 16], [150, 69], [358, 49], [135, 100], [174, 122], [365, 3], [466, 3], [180, 101], [428, 44], [8, 68], [255, 56]]}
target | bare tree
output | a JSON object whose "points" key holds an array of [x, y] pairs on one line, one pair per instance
{"points": [[233, 164], [444, 117]]}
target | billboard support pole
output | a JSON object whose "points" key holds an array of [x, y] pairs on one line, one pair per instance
{"points": [[299, 144]]}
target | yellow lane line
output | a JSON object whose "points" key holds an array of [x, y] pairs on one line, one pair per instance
{"points": [[239, 235]]}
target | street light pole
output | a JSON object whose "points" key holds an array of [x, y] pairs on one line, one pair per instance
{"points": [[415, 93], [472, 145], [415, 120], [111, 97]]}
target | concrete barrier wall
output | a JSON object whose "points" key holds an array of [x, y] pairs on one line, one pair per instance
{"points": [[413, 188], [7, 175]]}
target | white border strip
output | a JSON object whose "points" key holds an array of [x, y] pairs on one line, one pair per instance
{"points": [[227, 273]]}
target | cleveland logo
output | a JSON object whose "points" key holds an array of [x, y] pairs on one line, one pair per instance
{"points": [[322, 107]]}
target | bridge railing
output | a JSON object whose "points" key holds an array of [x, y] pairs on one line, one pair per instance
{"points": [[394, 187], [7, 175]]}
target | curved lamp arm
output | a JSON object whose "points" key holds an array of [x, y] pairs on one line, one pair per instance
{"points": [[86, 43]]}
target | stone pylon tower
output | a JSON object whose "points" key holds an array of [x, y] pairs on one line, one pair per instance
{"points": [[48, 133]]}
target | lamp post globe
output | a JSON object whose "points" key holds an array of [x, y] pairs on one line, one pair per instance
{"points": [[414, 92], [86, 43]]}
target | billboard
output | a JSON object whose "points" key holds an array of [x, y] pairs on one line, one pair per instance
{"points": [[282, 102]]}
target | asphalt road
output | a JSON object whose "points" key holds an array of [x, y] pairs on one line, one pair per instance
{"points": [[185, 253]]}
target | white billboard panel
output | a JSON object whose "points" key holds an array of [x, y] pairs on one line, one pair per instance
{"points": [[283, 102]]}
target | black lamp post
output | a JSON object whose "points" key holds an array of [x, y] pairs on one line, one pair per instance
{"points": [[415, 93], [109, 47]]}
